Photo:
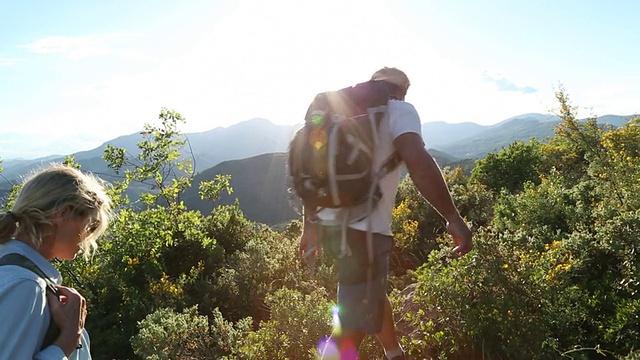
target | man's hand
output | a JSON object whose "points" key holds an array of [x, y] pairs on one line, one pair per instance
{"points": [[68, 311], [309, 243], [461, 236]]}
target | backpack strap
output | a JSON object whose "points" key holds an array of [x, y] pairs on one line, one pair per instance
{"points": [[390, 164], [24, 262], [376, 114], [53, 331]]}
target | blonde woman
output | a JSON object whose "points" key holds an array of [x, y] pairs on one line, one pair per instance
{"points": [[59, 212]]}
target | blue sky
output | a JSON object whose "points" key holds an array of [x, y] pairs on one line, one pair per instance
{"points": [[74, 74]]}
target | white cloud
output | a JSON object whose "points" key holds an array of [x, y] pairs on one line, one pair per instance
{"points": [[505, 84], [7, 62], [78, 47]]}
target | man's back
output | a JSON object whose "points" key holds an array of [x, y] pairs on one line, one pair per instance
{"points": [[401, 118]]}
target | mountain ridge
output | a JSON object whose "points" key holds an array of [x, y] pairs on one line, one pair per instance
{"points": [[260, 136], [254, 154]]}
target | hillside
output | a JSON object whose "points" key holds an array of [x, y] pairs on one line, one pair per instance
{"points": [[499, 136], [440, 133], [449, 143], [260, 184], [248, 138], [522, 127]]}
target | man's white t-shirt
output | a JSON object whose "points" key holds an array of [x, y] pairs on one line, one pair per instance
{"points": [[401, 118]]}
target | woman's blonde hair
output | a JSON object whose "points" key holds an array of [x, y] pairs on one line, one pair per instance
{"points": [[53, 188]]}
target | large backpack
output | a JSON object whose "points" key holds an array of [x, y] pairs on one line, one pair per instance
{"points": [[330, 159]]}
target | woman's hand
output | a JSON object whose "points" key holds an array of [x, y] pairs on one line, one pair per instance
{"points": [[68, 311]]}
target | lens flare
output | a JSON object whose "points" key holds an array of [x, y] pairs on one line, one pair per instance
{"points": [[337, 327], [318, 138], [348, 350], [328, 350], [317, 118]]}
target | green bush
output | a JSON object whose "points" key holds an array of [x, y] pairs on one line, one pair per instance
{"points": [[511, 168], [297, 324], [482, 305], [168, 335], [165, 335]]}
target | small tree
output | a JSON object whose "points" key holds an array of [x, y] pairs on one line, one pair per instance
{"points": [[157, 254], [510, 168]]}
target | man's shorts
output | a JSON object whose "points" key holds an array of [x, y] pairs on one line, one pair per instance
{"points": [[355, 310]]}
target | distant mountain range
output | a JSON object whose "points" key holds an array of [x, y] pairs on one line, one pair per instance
{"points": [[253, 153]]}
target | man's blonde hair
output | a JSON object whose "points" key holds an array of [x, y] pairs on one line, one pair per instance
{"points": [[54, 188]]}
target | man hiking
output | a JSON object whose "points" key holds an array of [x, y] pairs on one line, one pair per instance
{"points": [[363, 305]]}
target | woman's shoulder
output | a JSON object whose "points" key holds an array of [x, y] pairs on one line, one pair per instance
{"points": [[16, 273], [14, 277], [23, 311], [22, 295], [29, 256]]}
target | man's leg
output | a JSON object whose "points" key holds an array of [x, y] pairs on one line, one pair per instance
{"points": [[387, 334], [344, 338], [359, 314]]}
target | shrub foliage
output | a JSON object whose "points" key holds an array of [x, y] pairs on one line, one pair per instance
{"points": [[554, 273]]}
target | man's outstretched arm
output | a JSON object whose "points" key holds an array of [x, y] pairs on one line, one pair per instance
{"points": [[427, 177]]}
